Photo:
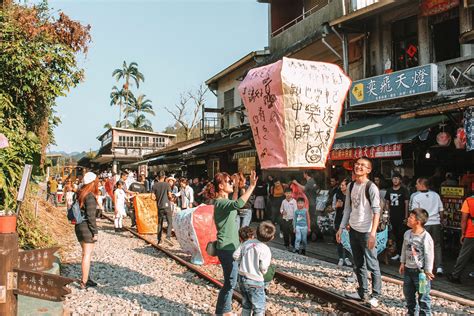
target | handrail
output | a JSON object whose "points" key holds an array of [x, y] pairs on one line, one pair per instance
{"points": [[297, 19], [367, 3]]}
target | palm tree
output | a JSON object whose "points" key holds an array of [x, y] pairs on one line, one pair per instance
{"points": [[140, 122], [139, 106], [119, 96], [128, 72]]}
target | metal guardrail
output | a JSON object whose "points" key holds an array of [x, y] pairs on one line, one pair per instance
{"points": [[300, 18]]}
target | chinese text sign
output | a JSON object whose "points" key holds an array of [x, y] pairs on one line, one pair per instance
{"points": [[399, 84]]}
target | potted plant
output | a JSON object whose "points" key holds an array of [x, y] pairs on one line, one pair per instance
{"points": [[7, 222]]}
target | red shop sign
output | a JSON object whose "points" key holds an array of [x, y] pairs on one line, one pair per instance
{"points": [[382, 151], [432, 7]]}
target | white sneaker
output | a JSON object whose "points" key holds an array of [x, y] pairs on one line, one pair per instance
{"points": [[340, 262], [396, 257], [439, 271], [281, 235], [374, 302], [348, 262]]}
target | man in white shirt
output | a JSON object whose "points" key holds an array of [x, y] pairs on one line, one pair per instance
{"points": [[362, 212], [186, 194], [287, 211], [430, 201]]}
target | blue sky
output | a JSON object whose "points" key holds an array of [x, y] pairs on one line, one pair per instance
{"points": [[178, 44]]}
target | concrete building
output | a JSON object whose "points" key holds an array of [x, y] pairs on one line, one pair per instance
{"points": [[121, 146]]}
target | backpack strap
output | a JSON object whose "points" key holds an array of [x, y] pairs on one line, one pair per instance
{"points": [[367, 192]]}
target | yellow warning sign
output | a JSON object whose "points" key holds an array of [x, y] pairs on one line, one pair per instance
{"points": [[358, 92]]}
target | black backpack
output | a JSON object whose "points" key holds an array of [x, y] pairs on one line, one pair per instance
{"points": [[383, 221]]}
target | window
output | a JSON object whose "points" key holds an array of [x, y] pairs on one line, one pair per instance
{"points": [[228, 100], [405, 43], [445, 35], [214, 167], [159, 142]]}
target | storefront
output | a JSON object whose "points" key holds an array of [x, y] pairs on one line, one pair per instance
{"points": [[222, 155], [388, 141]]}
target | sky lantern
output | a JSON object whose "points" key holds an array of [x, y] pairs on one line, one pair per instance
{"points": [[294, 108]]}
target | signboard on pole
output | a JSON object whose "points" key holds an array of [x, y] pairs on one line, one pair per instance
{"points": [[42, 285], [294, 108], [24, 182], [399, 84], [37, 259]]}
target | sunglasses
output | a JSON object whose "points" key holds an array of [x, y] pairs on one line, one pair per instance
{"points": [[230, 182]]}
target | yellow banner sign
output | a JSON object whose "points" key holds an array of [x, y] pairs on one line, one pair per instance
{"points": [[452, 191]]}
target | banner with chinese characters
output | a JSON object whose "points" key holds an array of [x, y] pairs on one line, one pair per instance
{"points": [[385, 151], [432, 7], [399, 84], [294, 107], [469, 127]]}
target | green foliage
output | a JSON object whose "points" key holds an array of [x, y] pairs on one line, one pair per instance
{"points": [[128, 72], [135, 108], [31, 234], [23, 147], [37, 65]]}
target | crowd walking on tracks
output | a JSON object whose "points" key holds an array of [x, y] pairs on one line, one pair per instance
{"points": [[361, 208]]}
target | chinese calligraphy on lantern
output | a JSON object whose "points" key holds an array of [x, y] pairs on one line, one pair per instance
{"points": [[294, 121]]}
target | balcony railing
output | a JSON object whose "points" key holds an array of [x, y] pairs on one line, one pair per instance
{"points": [[210, 126], [354, 5], [138, 145], [300, 18]]}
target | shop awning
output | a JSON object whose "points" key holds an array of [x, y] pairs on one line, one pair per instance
{"points": [[383, 131], [222, 144]]}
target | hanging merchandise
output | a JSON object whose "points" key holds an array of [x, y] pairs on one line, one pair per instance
{"points": [[460, 140], [469, 127], [443, 138]]}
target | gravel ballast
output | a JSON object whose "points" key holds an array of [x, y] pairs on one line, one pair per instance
{"points": [[134, 278]]}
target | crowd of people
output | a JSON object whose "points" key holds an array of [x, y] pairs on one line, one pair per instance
{"points": [[358, 205]]}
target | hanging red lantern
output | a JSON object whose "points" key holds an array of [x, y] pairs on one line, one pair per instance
{"points": [[443, 139], [348, 165]]}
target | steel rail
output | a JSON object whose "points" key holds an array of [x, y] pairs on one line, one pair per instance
{"points": [[345, 303], [389, 277], [237, 296], [342, 302]]}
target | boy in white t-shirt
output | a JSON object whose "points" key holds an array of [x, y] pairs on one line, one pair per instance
{"points": [[431, 202], [287, 211], [254, 259]]}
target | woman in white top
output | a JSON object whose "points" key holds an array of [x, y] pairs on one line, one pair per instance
{"points": [[119, 202]]}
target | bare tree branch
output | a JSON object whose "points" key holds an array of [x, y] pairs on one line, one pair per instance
{"points": [[180, 114]]}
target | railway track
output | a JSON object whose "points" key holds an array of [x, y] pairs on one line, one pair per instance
{"points": [[341, 303], [387, 278]]}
